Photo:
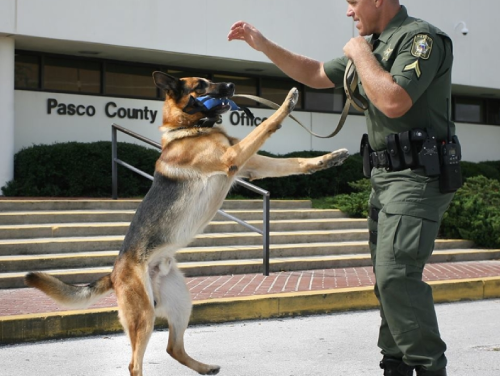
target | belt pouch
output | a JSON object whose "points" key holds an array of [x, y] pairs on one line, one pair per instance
{"points": [[395, 157], [365, 152], [408, 152]]}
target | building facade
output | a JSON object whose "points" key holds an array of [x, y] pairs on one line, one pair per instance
{"points": [[69, 69]]}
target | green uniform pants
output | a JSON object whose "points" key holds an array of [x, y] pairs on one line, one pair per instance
{"points": [[410, 209]]}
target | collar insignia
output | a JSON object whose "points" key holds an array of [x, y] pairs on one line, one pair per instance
{"points": [[387, 53]]}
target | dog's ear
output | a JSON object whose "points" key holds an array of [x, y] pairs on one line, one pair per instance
{"points": [[166, 82]]}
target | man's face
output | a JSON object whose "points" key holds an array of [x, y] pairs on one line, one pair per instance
{"points": [[365, 13]]}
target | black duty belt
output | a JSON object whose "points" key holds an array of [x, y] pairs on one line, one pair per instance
{"points": [[413, 149]]}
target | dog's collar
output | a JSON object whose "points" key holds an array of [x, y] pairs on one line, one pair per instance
{"points": [[208, 122], [202, 123]]}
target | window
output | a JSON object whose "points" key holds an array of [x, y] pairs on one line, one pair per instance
{"points": [[130, 81], [326, 100], [27, 72], [469, 110], [71, 75], [277, 90], [244, 85], [493, 112]]}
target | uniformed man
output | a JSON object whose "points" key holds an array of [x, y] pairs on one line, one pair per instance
{"points": [[404, 70]]}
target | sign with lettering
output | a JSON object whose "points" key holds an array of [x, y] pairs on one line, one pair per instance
{"points": [[240, 118], [111, 109]]}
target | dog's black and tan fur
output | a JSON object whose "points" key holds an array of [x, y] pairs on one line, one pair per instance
{"points": [[195, 171]]}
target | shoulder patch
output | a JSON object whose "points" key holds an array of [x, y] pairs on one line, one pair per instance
{"points": [[422, 46]]}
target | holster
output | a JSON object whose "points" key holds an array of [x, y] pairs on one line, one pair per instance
{"points": [[365, 150]]}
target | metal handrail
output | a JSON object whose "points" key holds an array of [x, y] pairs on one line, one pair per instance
{"points": [[265, 194]]}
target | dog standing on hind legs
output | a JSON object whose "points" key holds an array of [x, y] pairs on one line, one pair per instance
{"points": [[196, 169]]}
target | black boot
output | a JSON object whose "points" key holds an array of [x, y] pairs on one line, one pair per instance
{"points": [[423, 372], [395, 367]]}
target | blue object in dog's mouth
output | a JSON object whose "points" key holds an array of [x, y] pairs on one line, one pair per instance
{"points": [[211, 103]]}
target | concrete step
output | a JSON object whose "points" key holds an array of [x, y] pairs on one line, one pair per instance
{"points": [[63, 204], [57, 261], [59, 245], [112, 242], [120, 228], [195, 254], [92, 216], [99, 204], [90, 274], [57, 230], [199, 254], [64, 216]]}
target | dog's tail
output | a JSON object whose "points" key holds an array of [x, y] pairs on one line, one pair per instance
{"points": [[76, 297]]}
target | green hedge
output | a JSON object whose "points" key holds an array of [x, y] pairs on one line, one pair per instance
{"points": [[76, 169], [489, 169], [355, 205], [84, 170], [474, 213]]}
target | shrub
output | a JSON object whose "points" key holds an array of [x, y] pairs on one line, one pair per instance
{"points": [[474, 213], [356, 203], [76, 169], [490, 170]]}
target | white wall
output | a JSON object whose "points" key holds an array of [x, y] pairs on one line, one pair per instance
{"points": [[8, 16], [6, 109], [316, 28], [35, 126]]}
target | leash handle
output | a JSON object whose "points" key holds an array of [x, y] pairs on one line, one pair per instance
{"points": [[350, 85]]}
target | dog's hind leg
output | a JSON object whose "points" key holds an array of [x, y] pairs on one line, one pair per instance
{"points": [[174, 302], [137, 316]]}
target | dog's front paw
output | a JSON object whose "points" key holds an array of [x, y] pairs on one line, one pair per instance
{"points": [[292, 99], [336, 158]]}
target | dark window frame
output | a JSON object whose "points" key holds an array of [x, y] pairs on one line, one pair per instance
{"points": [[70, 58], [40, 70], [481, 101]]}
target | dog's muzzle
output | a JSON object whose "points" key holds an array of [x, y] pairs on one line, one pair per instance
{"points": [[214, 103]]}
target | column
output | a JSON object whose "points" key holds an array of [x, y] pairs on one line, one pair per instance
{"points": [[7, 47]]}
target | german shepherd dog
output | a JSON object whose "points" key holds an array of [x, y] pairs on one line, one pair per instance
{"points": [[193, 174]]}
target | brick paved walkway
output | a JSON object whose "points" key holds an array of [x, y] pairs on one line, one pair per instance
{"points": [[25, 301]]}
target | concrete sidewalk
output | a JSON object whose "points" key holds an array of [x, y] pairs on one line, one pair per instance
{"points": [[335, 344], [28, 315]]}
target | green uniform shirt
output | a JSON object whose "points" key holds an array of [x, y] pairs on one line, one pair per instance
{"points": [[419, 57]]}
